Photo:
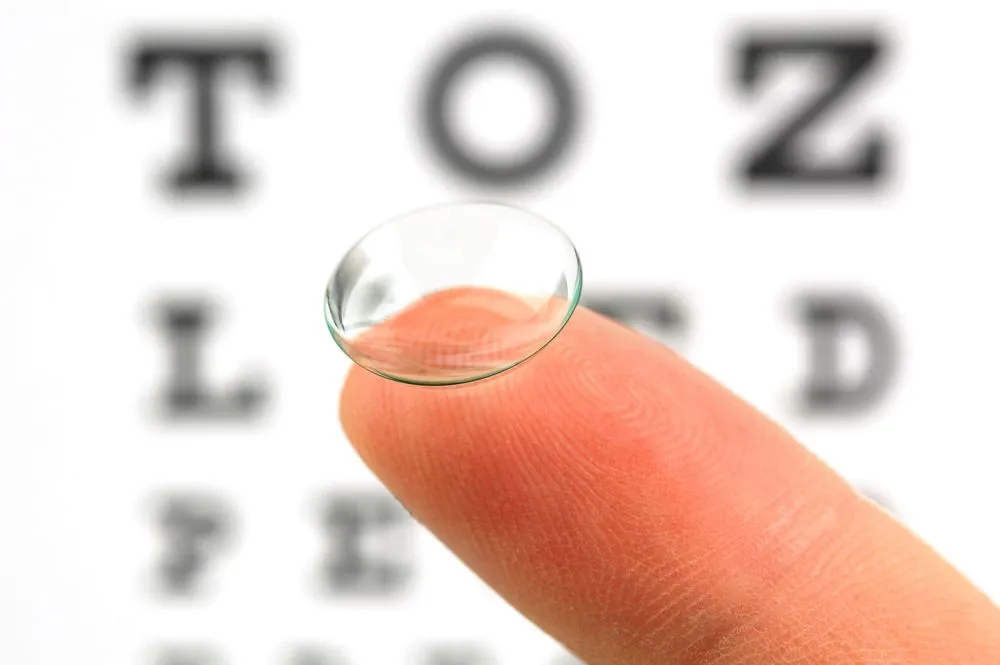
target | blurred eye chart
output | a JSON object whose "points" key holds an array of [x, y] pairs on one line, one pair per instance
{"points": [[799, 198]]}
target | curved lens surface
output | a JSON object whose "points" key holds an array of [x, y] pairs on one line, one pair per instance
{"points": [[453, 293]]}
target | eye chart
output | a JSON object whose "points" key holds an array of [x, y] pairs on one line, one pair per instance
{"points": [[797, 198]]}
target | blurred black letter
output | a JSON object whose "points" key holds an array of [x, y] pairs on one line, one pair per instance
{"points": [[315, 656], [195, 528], [186, 323], [187, 656], [457, 656], [369, 540], [776, 161], [879, 498], [828, 318], [206, 168], [510, 46], [656, 314]]}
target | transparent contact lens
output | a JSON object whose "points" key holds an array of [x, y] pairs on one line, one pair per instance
{"points": [[453, 293]]}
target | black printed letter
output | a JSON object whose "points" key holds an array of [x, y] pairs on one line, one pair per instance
{"points": [[187, 396], [778, 159], [369, 539], [457, 655], [437, 115], [828, 319], [657, 314], [314, 655], [187, 655], [195, 528], [206, 168]]}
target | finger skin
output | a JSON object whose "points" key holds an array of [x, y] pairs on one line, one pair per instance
{"points": [[642, 514]]}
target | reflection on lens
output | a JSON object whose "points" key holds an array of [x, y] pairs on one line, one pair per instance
{"points": [[453, 293]]}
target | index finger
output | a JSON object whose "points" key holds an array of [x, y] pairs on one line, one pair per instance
{"points": [[641, 513]]}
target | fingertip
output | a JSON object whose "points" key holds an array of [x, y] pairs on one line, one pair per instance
{"points": [[376, 410], [636, 510]]}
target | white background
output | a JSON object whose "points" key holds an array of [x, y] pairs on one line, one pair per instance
{"points": [[89, 238]]}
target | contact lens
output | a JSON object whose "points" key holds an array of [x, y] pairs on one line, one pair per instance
{"points": [[453, 293]]}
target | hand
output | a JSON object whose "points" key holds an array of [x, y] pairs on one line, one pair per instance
{"points": [[642, 514]]}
